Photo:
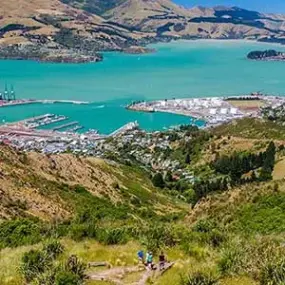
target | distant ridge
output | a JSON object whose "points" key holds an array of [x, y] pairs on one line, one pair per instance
{"points": [[78, 29]]}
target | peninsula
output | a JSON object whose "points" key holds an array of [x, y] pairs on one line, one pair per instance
{"points": [[267, 55]]}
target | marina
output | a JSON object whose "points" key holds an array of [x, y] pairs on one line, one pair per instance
{"points": [[26, 135], [65, 126]]}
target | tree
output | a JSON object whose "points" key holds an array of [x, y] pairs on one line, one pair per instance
{"points": [[187, 158], [265, 174], [157, 180], [268, 163], [168, 177], [269, 160]]}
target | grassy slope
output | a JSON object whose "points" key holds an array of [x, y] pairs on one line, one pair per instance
{"points": [[48, 188], [250, 217]]}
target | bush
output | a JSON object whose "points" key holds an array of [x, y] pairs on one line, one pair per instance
{"points": [[34, 262], [200, 278], [203, 226], [231, 260], [76, 267], [67, 278], [216, 237], [80, 231], [20, 232], [113, 236], [53, 249], [198, 252], [158, 236], [273, 273], [158, 181]]}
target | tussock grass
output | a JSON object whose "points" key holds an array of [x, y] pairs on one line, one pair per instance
{"points": [[10, 259]]}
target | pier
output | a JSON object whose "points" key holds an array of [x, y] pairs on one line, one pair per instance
{"points": [[49, 119], [128, 127], [74, 129], [65, 126]]}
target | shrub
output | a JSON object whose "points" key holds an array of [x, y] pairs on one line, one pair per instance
{"points": [[200, 278], [53, 249], [67, 278], [216, 237], [20, 232], [76, 267], [231, 260], [196, 251], [34, 262], [157, 236], [80, 231], [203, 226], [113, 236], [158, 181], [273, 273]]}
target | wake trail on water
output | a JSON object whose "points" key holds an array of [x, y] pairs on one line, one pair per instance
{"points": [[98, 107]]}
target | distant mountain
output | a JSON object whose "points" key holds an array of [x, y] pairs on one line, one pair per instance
{"points": [[166, 18], [94, 6], [75, 30]]}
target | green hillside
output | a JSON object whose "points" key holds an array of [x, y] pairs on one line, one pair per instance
{"points": [[61, 212]]}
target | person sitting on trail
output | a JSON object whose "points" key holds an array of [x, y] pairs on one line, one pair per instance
{"points": [[162, 261], [141, 256], [149, 260]]}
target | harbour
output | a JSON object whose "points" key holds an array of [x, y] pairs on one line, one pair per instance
{"points": [[152, 78], [26, 135]]}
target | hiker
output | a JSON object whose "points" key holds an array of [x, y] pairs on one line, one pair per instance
{"points": [[141, 256], [149, 260], [162, 261]]}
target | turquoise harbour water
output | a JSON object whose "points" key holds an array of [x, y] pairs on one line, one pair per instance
{"points": [[178, 69]]}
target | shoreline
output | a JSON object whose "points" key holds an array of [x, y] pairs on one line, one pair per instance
{"points": [[212, 111], [75, 58]]}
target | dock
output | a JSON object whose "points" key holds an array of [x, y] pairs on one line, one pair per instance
{"points": [[65, 126], [74, 129], [127, 127]]}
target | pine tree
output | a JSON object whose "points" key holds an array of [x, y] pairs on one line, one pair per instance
{"points": [[157, 180], [187, 158], [269, 160]]}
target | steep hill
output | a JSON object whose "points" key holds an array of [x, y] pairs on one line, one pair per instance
{"points": [[44, 186], [105, 211], [51, 30]]}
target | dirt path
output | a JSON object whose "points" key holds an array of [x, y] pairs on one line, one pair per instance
{"points": [[117, 274]]}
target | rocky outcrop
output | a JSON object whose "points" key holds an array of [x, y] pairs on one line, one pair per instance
{"points": [[267, 55]]}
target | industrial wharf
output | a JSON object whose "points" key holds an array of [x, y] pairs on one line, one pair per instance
{"points": [[212, 110]]}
